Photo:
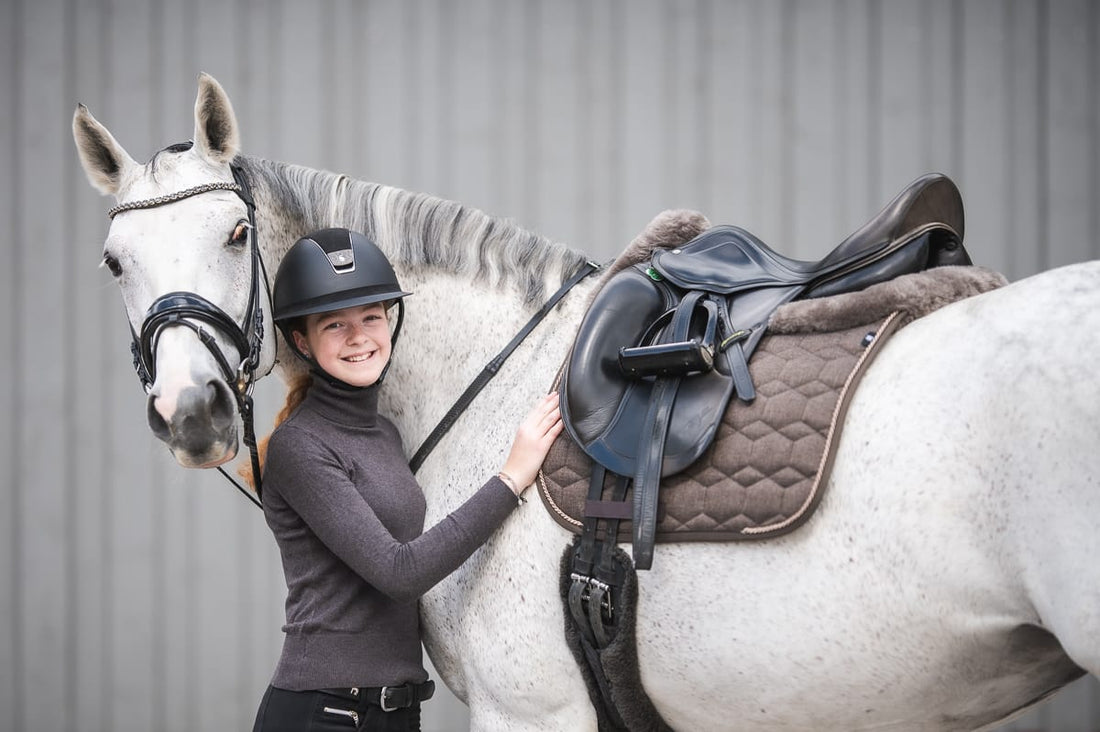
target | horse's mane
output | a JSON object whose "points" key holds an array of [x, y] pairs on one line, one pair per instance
{"points": [[416, 229]]}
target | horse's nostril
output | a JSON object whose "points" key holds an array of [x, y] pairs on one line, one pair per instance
{"points": [[156, 422], [221, 404]]}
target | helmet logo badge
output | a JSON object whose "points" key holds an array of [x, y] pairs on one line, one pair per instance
{"points": [[342, 260]]}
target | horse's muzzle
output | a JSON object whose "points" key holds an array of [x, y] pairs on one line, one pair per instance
{"points": [[198, 426]]}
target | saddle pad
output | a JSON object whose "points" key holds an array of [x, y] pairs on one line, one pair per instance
{"points": [[770, 460], [763, 473]]}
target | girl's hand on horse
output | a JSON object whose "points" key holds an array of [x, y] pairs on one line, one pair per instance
{"points": [[535, 435]]}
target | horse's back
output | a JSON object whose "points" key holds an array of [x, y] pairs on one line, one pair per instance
{"points": [[917, 595]]}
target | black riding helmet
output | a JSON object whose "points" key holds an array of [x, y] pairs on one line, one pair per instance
{"points": [[332, 269]]}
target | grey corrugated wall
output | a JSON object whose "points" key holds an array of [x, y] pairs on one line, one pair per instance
{"points": [[135, 595]]}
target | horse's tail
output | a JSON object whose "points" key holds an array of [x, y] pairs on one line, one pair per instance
{"points": [[295, 395]]}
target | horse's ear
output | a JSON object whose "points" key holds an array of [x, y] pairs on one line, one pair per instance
{"points": [[216, 135], [103, 159]]}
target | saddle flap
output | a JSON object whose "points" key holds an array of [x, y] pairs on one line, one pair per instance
{"points": [[593, 384], [603, 409]]}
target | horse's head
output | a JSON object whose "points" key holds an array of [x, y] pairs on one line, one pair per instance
{"points": [[182, 249]]}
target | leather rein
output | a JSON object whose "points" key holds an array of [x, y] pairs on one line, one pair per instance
{"points": [[184, 308], [191, 310]]}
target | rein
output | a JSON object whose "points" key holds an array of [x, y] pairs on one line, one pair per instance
{"points": [[494, 366], [184, 308]]}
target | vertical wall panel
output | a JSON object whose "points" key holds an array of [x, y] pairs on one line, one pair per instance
{"points": [[599, 196], [42, 357], [812, 48], [93, 300], [150, 597], [1022, 249], [857, 93], [901, 116], [982, 162], [392, 122], [641, 121], [11, 491], [765, 101], [682, 67], [1071, 117], [725, 112], [557, 168], [299, 64], [940, 86], [593, 60], [474, 125]]}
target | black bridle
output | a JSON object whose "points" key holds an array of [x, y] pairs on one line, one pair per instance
{"points": [[191, 310]]}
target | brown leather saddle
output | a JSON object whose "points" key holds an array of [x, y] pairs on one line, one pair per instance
{"points": [[665, 344]]}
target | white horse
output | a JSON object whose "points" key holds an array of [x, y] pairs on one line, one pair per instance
{"points": [[948, 580]]}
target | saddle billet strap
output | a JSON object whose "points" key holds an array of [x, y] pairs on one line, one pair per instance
{"points": [[590, 555], [584, 560], [604, 595]]}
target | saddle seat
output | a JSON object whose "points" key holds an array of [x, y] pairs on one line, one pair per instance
{"points": [[665, 344], [876, 252]]}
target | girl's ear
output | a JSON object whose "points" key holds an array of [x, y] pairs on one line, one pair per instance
{"points": [[301, 342]]}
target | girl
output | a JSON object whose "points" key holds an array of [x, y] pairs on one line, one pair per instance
{"points": [[345, 509]]}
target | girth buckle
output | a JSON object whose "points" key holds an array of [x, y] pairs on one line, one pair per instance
{"points": [[587, 584]]}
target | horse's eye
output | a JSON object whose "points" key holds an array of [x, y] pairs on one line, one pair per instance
{"points": [[112, 264], [240, 233]]}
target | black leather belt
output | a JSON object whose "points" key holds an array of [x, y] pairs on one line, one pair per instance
{"points": [[389, 698]]}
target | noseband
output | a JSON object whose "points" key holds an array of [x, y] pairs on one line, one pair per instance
{"points": [[193, 311]]}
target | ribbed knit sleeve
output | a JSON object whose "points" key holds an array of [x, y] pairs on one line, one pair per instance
{"points": [[368, 510]]}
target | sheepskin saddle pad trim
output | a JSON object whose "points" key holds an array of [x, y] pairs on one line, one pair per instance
{"points": [[769, 463]]}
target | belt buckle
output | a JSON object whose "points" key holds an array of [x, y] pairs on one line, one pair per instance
{"points": [[383, 700]]}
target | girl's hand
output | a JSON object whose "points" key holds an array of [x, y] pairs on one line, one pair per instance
{"points": [[535, 435]]}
